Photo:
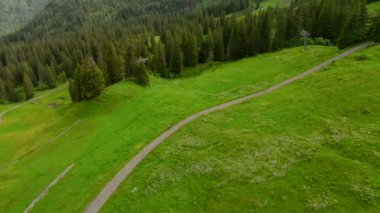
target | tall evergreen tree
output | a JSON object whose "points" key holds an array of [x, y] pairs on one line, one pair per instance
{"points": [[354, 30], [88, 81], [206, 52], [28, 87], [160, 60], [218, 45], [190, 50], [114, 65], [279, 38], [176, 61], [3, 93]]}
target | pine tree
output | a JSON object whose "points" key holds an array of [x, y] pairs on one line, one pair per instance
{"points": [[279, 38], [3, 93], [176, 61], [374, 32], [218, 45], [28, 87], [114, 65], [354, 30], [236, 48], [88, 81], [190, 50], [12, 94], [160, 60], [142, 76], [265, 32], [206, 53]]}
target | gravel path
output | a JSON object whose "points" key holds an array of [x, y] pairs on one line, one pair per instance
{"points": [[23, 104], [46, 190], [111, 186]]}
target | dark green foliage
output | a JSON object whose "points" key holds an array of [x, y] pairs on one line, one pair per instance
{"points": [[219, 48], [3, 93], [206, 52], [160, 60], [279, 38], [176, 59], [190, 50], [142, 76], [354, 29], [375, 29], [166, 40], [12, 94], [88, 81], [114, 65], [28, 87]]}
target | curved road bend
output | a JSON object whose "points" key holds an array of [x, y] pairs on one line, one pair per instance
{"points": [[111, 186]]}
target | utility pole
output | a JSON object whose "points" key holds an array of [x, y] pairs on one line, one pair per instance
{"points": [[305, 36]]}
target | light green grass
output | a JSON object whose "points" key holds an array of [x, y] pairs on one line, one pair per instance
{"points": [[274, 3], [118, 124], [373, 8], [311, 146]]}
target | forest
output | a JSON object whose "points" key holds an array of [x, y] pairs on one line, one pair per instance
{"points": [[152, 40]]}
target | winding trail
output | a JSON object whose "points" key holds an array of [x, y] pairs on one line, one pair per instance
{"points": [[46, 190], [111, 186]]}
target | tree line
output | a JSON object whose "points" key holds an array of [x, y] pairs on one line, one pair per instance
{"points": [[163, 45]]}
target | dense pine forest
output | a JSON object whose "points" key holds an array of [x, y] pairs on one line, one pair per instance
{"points": [[93, 49]]}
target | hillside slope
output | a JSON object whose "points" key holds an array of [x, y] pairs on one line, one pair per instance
{"points": [[118, 124], [313, 145], [16, 13]]}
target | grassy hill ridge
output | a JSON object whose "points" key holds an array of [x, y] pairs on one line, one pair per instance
{"points": [[115, 126], [311, 146]]}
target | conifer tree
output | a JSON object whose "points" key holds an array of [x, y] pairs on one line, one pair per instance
{"points": [[354, 30], [12, 94], [279, 38], [218, 45], [190, 50], [28, 87], [114, 65], [142, 76], [176, 61], [88, 81], [3, 93], [160, 60], [206, 52]]}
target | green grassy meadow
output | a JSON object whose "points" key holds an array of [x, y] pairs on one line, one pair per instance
{"points": [[116, 125], [373, 8], [311, 146]]}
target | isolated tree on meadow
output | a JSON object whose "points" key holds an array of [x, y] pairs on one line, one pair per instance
{"points": [[88, 81]]}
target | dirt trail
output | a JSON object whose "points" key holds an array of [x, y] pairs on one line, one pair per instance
{"points": [[23, 104], [46, 190], [111, 186]]}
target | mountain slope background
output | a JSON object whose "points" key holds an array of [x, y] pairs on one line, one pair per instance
{"points": [[15, 13]]}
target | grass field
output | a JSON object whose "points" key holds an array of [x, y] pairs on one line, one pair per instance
{"points": [[313, 145], [118, 124], [373, 8]]}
